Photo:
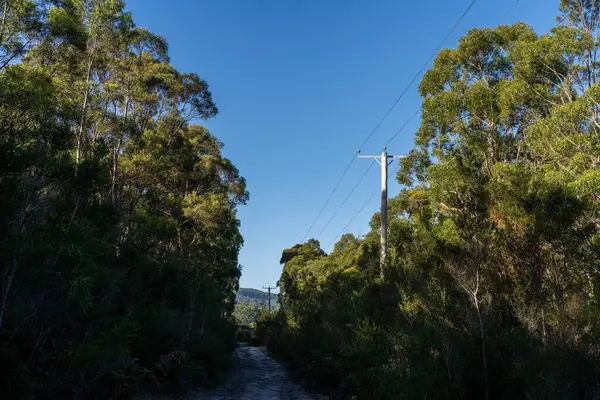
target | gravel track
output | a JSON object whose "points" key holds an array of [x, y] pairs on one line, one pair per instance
{"points": [[256, 376]]}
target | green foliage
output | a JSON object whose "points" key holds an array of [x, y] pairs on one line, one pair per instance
{"points": [[491, 289], [118, 234], [247, 314]]}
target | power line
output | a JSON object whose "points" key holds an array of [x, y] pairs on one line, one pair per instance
{"points": [[272, 280], [367, 170], [353, 218], [419, 109], [421, 70], [363, 176], [510, 9], [359, 211], [329, 198], [346, 199], [561, 21], [403, 126], [269, 288], [275, 280], [388, 113]]}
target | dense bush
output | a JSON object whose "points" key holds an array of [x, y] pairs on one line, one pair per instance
{"points": [[491, 286], [118, 231]]}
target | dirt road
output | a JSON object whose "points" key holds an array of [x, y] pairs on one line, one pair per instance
{"points": [[257, 376]]}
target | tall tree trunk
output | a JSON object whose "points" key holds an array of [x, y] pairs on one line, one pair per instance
{"points": [[115, 172], [84, 108], [3, 27], [191, 319], [544, 335], [117, 150], [483, 352]]}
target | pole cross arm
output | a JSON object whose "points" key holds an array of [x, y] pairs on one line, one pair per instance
{"points": [[379, 156], [392, 158]]}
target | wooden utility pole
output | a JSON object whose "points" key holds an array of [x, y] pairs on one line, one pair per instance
{"points": [[269, 289], [383, 161]]}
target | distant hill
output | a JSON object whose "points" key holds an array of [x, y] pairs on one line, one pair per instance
{"points": [[248, 295]]}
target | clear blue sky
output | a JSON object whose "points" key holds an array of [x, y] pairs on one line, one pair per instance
{"points": [[300, 84]]}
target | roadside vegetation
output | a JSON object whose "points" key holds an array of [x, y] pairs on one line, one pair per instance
{"points": [[119, 238], [492, 285]]}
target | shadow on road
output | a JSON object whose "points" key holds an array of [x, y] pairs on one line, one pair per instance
{"points": [[256, 376]]}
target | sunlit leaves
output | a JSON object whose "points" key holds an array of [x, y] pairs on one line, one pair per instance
{"points": [[120, 237], [493, 256]]}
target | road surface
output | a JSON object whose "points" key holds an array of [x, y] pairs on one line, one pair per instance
{"points": [[256, 377]]}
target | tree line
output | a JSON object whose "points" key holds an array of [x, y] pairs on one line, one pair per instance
{"points": [[119, 238], [492, 285]]}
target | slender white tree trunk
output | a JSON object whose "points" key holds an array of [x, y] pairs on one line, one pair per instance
{"points": [[84, 109]]}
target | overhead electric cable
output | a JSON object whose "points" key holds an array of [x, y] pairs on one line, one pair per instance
{"points": [[359, 211], [346, 199], [387, 114]]}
